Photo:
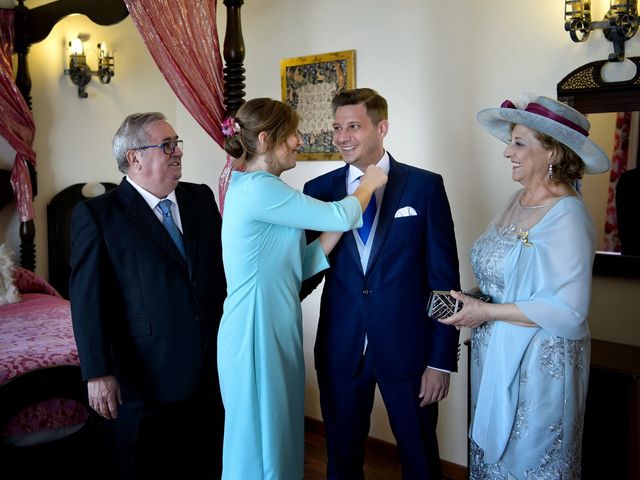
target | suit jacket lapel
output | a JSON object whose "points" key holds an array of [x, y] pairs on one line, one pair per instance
{"points": [[339, 191], [397, 179], [141, 215]]}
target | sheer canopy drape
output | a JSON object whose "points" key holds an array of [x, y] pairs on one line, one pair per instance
{"points": [[16, 122], [182, 37]]}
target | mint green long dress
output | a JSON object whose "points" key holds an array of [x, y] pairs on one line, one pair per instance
{"points": [[260, 357]]}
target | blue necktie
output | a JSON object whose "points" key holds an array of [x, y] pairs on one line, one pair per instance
{"points": [[170, 225], [367, 219]]}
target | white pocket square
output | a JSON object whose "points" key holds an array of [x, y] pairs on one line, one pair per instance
{"points": [[405, 212]]}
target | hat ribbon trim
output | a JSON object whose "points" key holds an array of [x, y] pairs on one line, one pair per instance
{"points": [[543, 111]]}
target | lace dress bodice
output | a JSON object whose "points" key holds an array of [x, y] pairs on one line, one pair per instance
{"points": [[487, 260], [489, 251]]}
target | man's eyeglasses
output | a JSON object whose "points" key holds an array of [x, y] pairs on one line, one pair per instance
{"points": [[167, 147]]}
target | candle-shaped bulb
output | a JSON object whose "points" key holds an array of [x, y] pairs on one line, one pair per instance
{"points": [[76, 46]]}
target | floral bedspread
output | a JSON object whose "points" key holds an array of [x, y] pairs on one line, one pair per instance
{"points": [[37, 333]]}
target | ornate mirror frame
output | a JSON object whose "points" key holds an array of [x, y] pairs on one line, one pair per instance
{"points": [[585, 90]]}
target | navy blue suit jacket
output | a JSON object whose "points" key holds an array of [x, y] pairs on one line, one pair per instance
{"points": [[410, 256], [139, 311]]}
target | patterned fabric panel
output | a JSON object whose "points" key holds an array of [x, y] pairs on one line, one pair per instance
{"points": [[47, 415], [37, 333]]}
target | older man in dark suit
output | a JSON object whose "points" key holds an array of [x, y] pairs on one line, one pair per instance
{"points": [[373, 327], [147, 287]]}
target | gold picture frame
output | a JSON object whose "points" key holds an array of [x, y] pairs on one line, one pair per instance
{"points": [[308, 86]]}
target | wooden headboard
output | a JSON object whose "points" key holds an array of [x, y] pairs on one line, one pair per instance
{"points": [[33, 25]]}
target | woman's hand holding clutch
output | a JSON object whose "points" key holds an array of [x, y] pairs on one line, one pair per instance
{"points": [[467, 311]]}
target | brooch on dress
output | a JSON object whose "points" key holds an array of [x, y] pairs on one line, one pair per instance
{"points": [[524, 237]]}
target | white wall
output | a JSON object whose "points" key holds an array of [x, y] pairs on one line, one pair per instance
{"points": [[437, 63]]}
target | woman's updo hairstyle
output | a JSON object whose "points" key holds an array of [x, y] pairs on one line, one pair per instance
{"points": [[275, 118]]}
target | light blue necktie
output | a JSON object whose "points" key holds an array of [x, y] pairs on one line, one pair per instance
{"points": [[367, 219], [170, 225]]}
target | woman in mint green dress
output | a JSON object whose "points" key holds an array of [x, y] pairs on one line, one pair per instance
{"points": [[265, 255]]}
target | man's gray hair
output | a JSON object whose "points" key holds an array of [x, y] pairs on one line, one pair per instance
{"points": [[133, 134]]}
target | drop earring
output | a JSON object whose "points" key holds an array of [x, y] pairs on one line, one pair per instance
{"points": [[551, 170]]}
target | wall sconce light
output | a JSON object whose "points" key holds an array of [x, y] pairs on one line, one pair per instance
{"points": [[619, 24], [80, 73]]}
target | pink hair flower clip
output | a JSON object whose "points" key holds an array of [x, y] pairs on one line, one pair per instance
{"points": [[230, 127]]}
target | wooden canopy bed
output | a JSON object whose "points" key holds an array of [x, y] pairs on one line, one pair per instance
{"points": [[40, 383]]}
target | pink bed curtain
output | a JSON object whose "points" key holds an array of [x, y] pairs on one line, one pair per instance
{"points": [[182, 37], [619, 164], [16, 122]]}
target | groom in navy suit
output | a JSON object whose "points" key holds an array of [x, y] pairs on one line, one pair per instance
{"points": [[147, 288], [373, 327]]}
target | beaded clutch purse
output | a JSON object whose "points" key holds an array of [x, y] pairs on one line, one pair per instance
{"points": [[443, 305]]}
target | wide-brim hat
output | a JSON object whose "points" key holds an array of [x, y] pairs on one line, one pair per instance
{"points": [[552, 118]]}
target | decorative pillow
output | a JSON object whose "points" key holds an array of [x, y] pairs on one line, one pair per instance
{"points": [[28, 282], [8, 291]]}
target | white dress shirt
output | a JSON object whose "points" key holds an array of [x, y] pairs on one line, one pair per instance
{"points": [[153, 202]]}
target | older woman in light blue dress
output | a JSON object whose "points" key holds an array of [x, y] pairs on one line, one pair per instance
{"points": [[265, 255], [530, 347]]}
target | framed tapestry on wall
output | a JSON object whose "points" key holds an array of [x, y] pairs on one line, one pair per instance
{"points": [[308, 85]]}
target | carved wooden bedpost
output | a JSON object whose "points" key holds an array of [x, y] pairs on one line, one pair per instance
{"points": [[233, 53], [23, 81], [21, 47]]}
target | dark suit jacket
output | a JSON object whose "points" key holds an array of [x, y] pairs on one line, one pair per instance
{"points": [[410, 257], [139, 311]]}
